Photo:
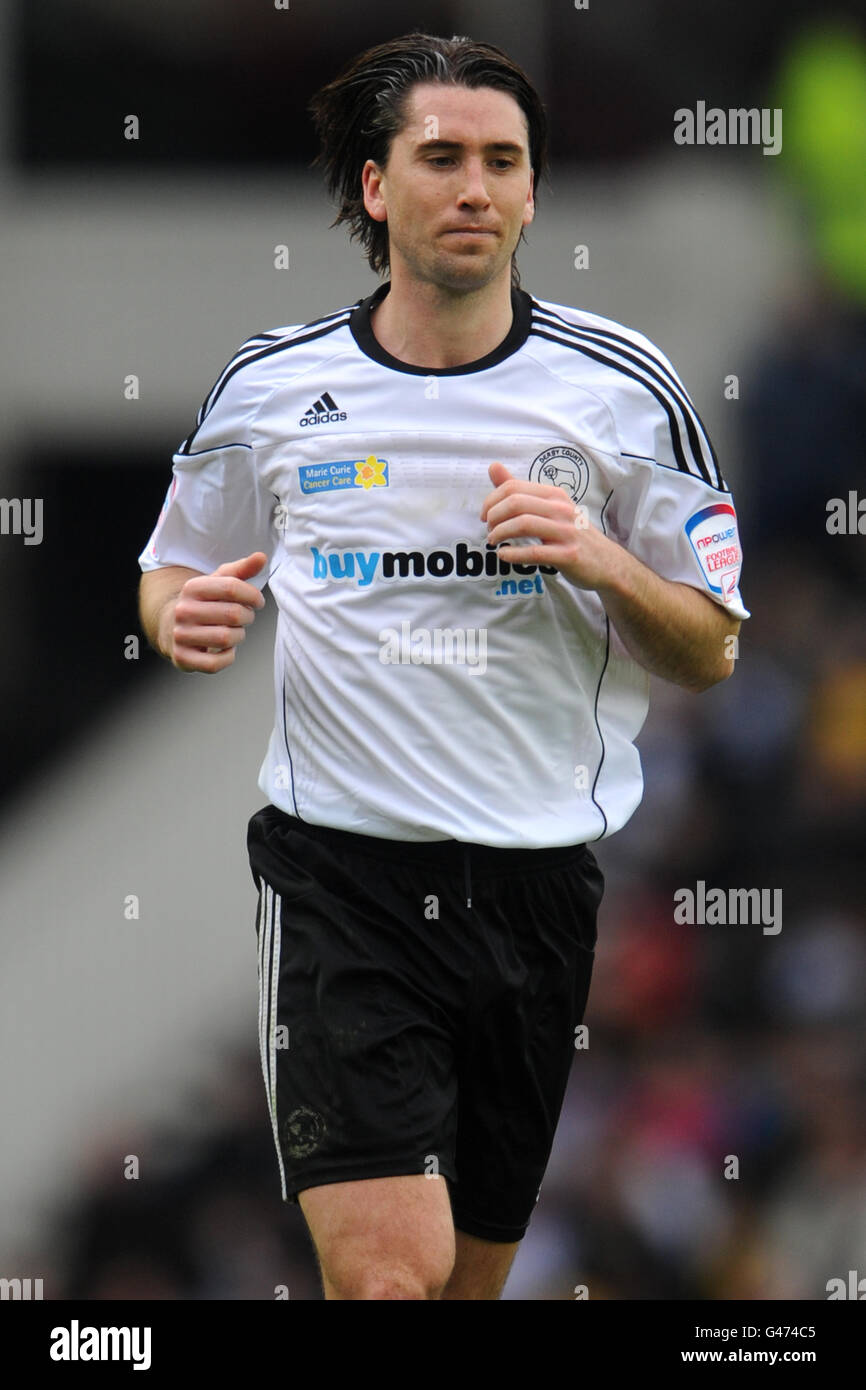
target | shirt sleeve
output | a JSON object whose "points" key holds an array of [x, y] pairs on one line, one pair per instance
{"points": [[216, 509], [671, 507]]}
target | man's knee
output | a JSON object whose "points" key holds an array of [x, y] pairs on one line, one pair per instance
{"points": [[418, 1280]]}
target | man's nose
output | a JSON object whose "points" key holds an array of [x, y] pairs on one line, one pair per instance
{"points": [[474, 186]]}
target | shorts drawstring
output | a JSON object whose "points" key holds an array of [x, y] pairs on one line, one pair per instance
{"points": [[467, 875]]}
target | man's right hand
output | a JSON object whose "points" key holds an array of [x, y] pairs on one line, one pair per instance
{"points": [[202, 628]]}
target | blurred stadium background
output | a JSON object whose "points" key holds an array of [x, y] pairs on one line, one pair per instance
{"points": [[155, 258]]}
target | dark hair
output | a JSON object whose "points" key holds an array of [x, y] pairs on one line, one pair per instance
{"points": [[358, 114]]}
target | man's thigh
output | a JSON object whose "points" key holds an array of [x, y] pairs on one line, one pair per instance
{"points": [[395, 1237], [382, 1238]]}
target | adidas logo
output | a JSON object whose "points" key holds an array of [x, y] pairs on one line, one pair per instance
{"points": [[324, 411]]}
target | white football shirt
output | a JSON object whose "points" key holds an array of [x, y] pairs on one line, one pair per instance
{"points": [[424, 689]]}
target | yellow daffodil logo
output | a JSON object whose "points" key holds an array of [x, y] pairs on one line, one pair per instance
{"points": [[370, 472]]}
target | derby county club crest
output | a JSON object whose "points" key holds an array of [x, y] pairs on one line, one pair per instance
{"points": [[561, 467]]}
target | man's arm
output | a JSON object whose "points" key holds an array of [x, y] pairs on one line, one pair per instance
{"points": [[673, 630], [197, 620], [157, 592]]}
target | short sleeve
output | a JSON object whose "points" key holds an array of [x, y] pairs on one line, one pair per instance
{"points": [[215, 509], [671, 507]]}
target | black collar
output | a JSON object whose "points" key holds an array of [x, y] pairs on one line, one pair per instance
{"points": [[362, 332]]}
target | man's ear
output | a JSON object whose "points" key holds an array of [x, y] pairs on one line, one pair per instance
{"points": [[529, 210], [371, 185]]}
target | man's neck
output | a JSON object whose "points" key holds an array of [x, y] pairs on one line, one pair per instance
{"points": [[426, 326]]}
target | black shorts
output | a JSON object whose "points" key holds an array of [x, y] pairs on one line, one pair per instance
{"points": [[402, 1031]]}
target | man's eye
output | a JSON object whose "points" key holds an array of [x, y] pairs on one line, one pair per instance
{"points": [[442, 159]]}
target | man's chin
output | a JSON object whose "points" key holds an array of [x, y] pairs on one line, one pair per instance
{"points": [[465, 272]]}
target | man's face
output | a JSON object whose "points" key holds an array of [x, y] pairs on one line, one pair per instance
{"points": [[460, 162]]}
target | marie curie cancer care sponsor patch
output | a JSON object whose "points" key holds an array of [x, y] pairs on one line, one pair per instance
{"points": [[713, 536], [343, 473]]}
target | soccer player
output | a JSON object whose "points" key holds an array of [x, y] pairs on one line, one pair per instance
{"points": [[485, 519]]}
